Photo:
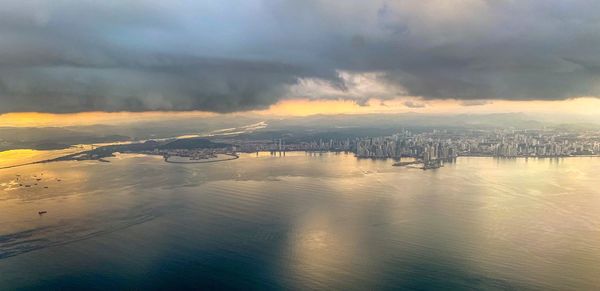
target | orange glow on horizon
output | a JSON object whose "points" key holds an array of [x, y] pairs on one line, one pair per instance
{"points": [[36, 119], [306, 107]]}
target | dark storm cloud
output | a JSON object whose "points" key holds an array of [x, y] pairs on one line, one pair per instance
{"points": [[161, 84], [223, 56]]}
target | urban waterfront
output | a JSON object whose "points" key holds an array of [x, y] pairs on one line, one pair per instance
{"points": [[302, 221]]}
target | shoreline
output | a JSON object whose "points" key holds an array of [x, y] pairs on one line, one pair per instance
{"points": [[237, 156]]}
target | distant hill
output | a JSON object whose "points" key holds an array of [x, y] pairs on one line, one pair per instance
{"points": [[192, 143], [409, 121], [186, 143]]}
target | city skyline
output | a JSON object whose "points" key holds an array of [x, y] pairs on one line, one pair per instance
{"points": [[299, 145]]}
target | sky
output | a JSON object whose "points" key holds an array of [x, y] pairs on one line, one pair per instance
{"points": [[117, 60]]}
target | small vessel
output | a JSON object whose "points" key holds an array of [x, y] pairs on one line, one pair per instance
{"points": [[42, 212]]}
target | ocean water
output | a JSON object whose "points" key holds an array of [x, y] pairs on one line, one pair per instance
{"points": [[301, 221]]}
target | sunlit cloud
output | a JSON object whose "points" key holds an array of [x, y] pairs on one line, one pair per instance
{"points": [[305, 107]]}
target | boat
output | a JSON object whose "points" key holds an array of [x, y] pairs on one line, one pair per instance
{"points": [[42, 212]]}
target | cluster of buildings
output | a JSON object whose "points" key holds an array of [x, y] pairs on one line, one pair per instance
{"points": [[280, 145], [533, 143], [398, 146], [441, 145]]}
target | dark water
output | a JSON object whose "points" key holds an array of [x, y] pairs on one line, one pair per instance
{"points": [[302, 222]]}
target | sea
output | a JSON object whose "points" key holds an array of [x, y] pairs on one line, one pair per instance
{"points": [[301, 221]]}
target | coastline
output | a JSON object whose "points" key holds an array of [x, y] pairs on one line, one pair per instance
{"points": [[69, 157], [232, 157]]}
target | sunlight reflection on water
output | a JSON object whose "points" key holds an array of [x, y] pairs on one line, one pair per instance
{"points": [[302, 221]]}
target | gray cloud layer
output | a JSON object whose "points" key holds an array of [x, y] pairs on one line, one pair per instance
{"points": [[70, 56]]}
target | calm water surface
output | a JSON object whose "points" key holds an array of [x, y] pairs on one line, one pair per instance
{"points": [[301, 221]]}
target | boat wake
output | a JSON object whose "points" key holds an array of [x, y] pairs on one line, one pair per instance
{"points": [[70, 231]]}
